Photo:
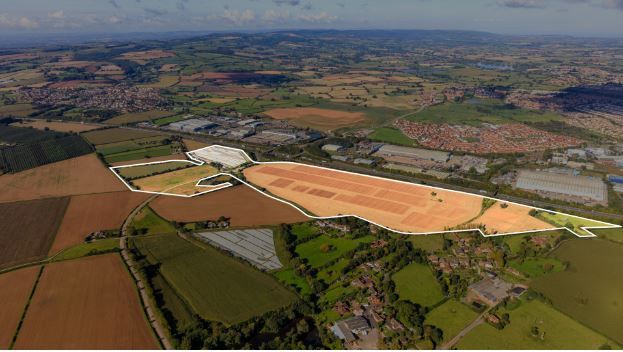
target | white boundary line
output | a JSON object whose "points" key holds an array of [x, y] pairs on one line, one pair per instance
{"points": [[295, 206]]}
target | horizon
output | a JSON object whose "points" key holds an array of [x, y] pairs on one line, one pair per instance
{"points": [[576, 18]]}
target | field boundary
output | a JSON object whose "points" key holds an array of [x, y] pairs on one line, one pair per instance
{"points": [[194, 161]]}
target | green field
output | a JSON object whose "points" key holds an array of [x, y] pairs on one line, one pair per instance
{"points": [[216, 286], [333, 272], [289, 278], [151, 152], [113, 135], [135, 172], [561, 332], [615, 235], [429, 243], [591, 289], [416, 283], [170, 119], [571, 222], [535, 267], [147, 222], [91, 248], [311, 250], [391, 135], [451, 317], [477, 111], [139, 117], [304, 231]]}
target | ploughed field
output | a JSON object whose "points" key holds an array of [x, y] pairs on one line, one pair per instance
{"points": [[16, 288], [322, 119], [88, 303], [81, 175], [241, 204], [396, 205], [27, 229], [94, 212]]}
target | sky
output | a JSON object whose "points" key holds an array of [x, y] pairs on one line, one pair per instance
{"points": [[567, 17]]}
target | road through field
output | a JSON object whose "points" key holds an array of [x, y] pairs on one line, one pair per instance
{"points": [[129, 262]]}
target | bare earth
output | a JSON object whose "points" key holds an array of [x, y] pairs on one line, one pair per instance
{"points": [[94, 212], [514, 218], [16, 288], [88, 303], [245, 207], [81, 175], [58, 126], [396, 205], [323, 119]]}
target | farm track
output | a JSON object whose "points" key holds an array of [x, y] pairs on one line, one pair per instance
{"points": [[148, 305]]}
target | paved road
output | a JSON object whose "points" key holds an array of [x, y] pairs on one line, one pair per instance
{"points": [[479, 320], [147, 302]]}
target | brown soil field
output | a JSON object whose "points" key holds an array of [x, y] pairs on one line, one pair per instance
{"points": [[194, 145], [113, 135], [147, 55], [231, 90], [27, 229], [243, 205], [58, 126], [16, 287], [323, 119], [513, 218], [88, 303], [94, 212], [149, 160], [396, 205], [81, 175]]}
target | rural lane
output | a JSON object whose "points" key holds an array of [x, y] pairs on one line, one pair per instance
{"points": [[479, 320], [147, 302]]}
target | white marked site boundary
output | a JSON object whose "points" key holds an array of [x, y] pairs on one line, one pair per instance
{"points": [[224, 185]]}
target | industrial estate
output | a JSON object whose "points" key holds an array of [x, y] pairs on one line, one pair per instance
{"points": [[312, 189]]}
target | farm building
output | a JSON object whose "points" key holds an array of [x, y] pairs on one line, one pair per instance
{"points": [[490, 291], [389, 150], [347, 329], [563, 186]]}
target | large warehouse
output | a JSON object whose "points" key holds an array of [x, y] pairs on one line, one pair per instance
{"points": [[563, 186], [414, 153]]}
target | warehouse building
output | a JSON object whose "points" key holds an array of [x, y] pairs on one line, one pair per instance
{"points": [[192, 125], [563, 186], [390, 151]]}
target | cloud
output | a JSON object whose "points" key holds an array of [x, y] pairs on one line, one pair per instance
{"points": [[272, 16], [114, 3], [115, 19], [238, 17], [22, 22], [287, 2], [321, 17], [523, 4], [56, 14], [307, 6], [181, 5], [613, 4], [155, 12]]}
